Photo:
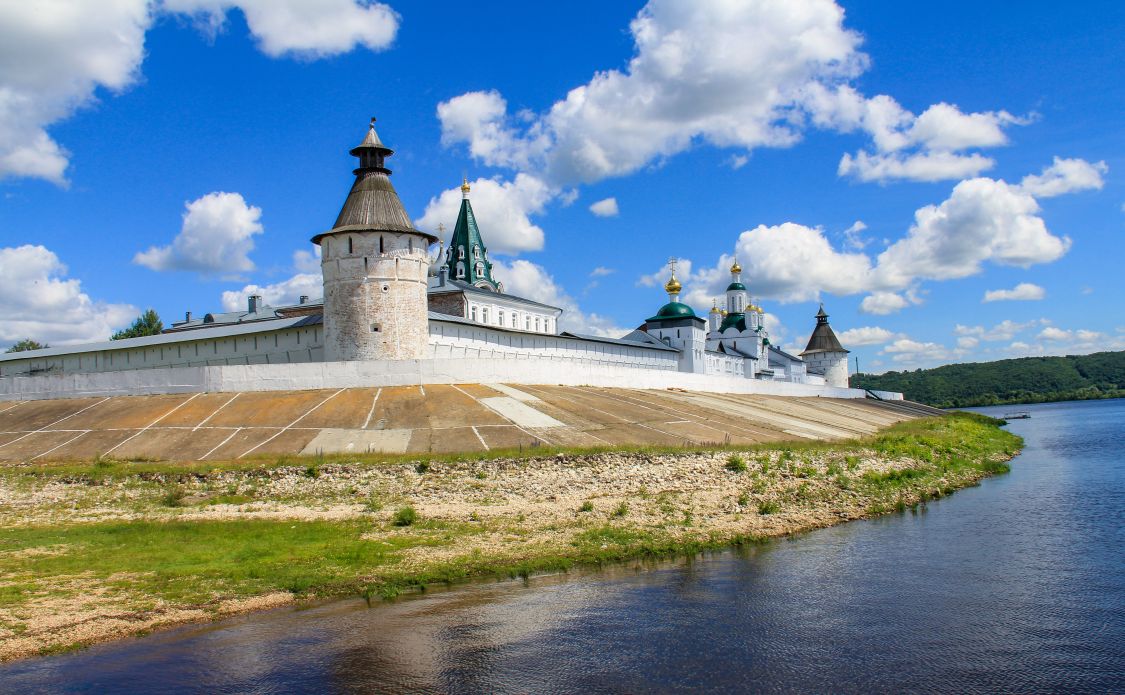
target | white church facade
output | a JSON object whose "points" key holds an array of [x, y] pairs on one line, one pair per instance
{"points": [[387, 300]]}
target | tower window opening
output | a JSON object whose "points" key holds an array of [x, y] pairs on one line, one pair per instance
{"points": [[410, 244], [460, 251], [380, 243], [460, 270], [351, 249]]}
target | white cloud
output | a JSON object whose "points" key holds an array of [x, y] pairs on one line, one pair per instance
{"points": [[1025, 291], [526, 279], [729, 73], [912, 352], [866, 335], [52, 60], [853, 236], [732, 74], [502, 209], [1058, 341], [303, 28], [38, 301], [883, 303], [788, 262], [1005, 330], [1052, 333], [605, 208], [968, 342], [216, 236], [1065, 176], [288, 291], [928, 147], [55, 57], [307, 262], [983, 220], [921, 166], [602, 271]]}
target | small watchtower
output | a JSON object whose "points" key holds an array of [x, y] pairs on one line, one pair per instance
{"points": [[824, 353]]}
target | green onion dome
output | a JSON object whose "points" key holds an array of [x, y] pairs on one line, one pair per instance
{"points": [[673, 310]]}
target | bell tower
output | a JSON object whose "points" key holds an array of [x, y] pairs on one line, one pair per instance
{"points": [[375, 267]]}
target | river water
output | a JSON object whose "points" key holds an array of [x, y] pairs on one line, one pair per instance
{"points": [[1017, 585]]}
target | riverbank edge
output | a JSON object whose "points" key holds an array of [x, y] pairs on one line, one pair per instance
{"points": [[906, 492]]}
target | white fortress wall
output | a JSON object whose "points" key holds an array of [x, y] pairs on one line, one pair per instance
{"points": [[458, 340], [250, 344], [323, 375]]}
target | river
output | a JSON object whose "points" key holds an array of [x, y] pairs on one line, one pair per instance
{"points": [[1017, 585]]}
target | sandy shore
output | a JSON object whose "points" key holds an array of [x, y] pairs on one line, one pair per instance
{"points": [[473, 517]]}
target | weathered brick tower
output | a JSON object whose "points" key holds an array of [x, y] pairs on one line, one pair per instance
{"points": [[375, 266]]}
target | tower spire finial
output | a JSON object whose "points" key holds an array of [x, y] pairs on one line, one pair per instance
{"points": [[673, 286], [465, 187]]}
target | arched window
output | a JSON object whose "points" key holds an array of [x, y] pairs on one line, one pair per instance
{"points": [[460, 251], [476, 251], [480, 269], [460, 270]]}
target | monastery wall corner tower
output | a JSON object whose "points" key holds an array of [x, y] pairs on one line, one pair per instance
{"points": [[375, 267]]}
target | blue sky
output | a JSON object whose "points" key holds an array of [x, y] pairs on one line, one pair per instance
{"points": [[180, 155]]}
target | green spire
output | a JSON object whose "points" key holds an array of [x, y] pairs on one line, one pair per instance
{"points": [[467, 258]]}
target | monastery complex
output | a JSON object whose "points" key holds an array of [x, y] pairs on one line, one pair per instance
{"points": [[395, 313]]}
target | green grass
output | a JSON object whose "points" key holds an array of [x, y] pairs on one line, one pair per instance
{"points": [[193, 561]]}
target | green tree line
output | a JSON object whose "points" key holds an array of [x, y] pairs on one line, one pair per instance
{"points": [[1023, 380]]}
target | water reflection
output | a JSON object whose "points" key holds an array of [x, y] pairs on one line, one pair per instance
{"points": [[1016, 585]]}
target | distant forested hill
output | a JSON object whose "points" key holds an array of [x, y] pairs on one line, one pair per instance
{"points": [[1024, 380]]}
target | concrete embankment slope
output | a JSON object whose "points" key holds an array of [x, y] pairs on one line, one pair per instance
{"points": [[426, 418]]}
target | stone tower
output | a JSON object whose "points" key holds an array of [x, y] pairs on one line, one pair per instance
{"points": [[375, 266], [824, 354]]}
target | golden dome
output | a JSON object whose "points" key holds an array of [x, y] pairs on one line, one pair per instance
{"points": [[735, 267], [715, 308], [673, 286], [724, 312], [465, 185]]}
